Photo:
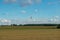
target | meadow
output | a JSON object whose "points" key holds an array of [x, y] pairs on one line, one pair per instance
{"points": [[29, 33], [27, 27]]}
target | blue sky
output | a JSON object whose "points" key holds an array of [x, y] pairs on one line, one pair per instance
{"points": [[29, 9]]}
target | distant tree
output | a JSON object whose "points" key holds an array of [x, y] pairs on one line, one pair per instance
{"points": [[20, 24], [13, 24], [58, 26]]}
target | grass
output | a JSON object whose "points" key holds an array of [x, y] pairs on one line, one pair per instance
{"points": [[48, 34], [29, 34], [27, 27]]}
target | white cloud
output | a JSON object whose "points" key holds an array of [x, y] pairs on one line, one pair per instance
{"points": [[59, 1], [10, 0], [56, 16], [6, 1], [23, 3], [38, 1], [30, 1], [51, 20], [5, 20], [36, 10], [23, 11], [13, 0], [29, 21], [55, 20], [56, 2], [49, 3]]}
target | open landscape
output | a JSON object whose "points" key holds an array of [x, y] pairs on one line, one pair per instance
{"points": [[29, 19], [29, 33]]}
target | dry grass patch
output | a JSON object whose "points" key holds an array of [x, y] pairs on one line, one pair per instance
{"points": [[42, 34]]}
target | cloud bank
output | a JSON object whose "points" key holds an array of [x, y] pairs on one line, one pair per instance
{"points": [[30, 21], [23, 2]]}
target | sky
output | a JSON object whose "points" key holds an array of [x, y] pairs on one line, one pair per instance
{"points": [[29, 11]]}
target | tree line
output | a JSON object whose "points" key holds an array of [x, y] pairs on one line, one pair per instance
{"points": [[58, 25]]}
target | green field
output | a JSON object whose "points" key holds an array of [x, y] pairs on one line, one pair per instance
{"points": [[29, 33], [27, 27]]}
